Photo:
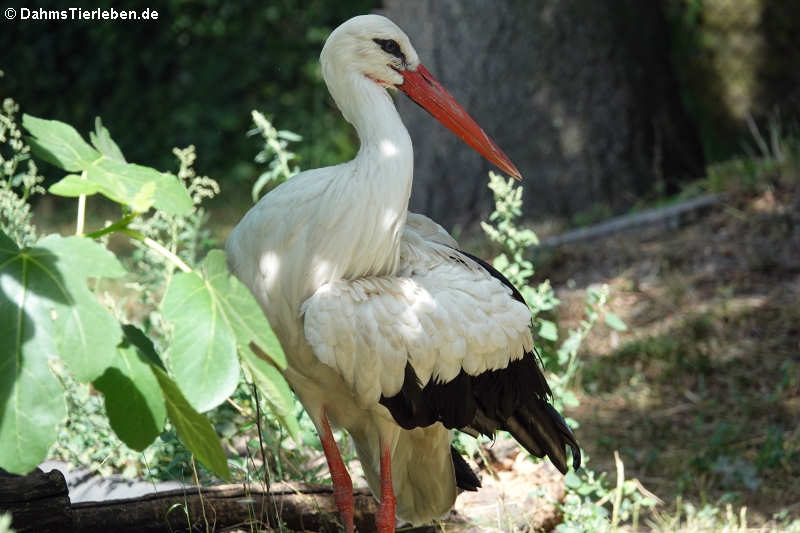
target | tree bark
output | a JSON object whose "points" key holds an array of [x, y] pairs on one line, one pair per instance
{"points": [[37, 502], [579, 93]]}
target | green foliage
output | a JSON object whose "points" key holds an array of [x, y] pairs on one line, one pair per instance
{"points": [[54, 321], [192, 427], [134, 186], [203, 347], [190, 76], [274, 152], [16, 185], [47, 309], [584, 507], [133, 399], [515, 244], [5, 523], [773, 155], [275, 390]]}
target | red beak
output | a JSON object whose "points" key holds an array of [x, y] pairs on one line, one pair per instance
{"points": [[424, 89]]}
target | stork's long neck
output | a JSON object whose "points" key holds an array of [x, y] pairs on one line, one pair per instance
{"points": [[378, 185], [384, 139]]}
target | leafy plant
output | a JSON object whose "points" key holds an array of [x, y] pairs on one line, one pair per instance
{"points": [[51, 316], [584, 506], [5, 523], [16, 185], [274, 152], [514, 263]]}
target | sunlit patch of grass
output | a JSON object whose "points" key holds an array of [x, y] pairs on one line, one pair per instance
{"points": [[688, 518]]}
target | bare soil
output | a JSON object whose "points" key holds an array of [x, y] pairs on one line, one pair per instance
{"points": [[701, 395]]}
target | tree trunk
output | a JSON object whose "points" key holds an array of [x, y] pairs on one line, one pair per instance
{"points": [[579, 93]]}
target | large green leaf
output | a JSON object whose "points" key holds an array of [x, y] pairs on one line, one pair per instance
{"points": [[59, 144], [241, 309], [47, 311], [275, 390], [193, 428], [133, 398], [31, 398], [123, 183], [86, 332], [133, 185], [203, 349], [214, 314]]}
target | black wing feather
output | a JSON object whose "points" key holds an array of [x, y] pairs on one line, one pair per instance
{"points": [[514, 399]]}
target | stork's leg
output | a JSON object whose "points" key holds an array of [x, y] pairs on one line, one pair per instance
{"points": [[385, 518], [342, 484]]}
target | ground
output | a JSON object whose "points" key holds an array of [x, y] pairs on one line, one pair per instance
{"points": [[701, 396]]}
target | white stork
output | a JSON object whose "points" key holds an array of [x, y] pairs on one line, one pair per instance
{"points": [[391, 331]]}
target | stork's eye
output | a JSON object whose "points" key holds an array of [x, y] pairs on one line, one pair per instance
{"points": [[390, 46]]}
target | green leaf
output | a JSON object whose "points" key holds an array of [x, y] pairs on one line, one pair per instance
{"points": [[133, 398], [47, 310], [214, 314], [203, 351], [72, 186], [275, 390], [145, 346], [568, 398], [101, 139], [59, 144], [134, 185], [615, 322], [501, 263], [548, 330], [55, 272], [241, 309], [571, 480], [193, 428], [124, 182], [31, 398], [289, 136]]}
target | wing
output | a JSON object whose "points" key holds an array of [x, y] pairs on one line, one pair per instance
{"points": [[446, 339]]}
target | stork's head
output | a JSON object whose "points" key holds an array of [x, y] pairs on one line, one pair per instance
{"points": [[369, 45], [372, 47]]}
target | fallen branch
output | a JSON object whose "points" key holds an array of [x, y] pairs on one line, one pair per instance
{"points": [[670, 217], [39, 502]]}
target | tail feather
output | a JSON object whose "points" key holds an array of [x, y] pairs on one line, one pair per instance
{"points": [[465, 477], [542, 431]]}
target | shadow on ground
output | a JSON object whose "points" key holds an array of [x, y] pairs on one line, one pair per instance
{"points": [[701, 395]]}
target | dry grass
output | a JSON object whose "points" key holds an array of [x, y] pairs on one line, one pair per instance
{"points": [[702, 394]]}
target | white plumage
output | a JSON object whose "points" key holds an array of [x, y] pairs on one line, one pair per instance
{"points": [[376, 307], [440, 312]]}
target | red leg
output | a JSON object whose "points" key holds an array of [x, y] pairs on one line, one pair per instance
{"points": [[342, 484], [385, 518]]}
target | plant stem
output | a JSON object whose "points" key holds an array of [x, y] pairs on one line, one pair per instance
{"points": [[81, 210], [121, 225], [618, 492], [158, 247]]}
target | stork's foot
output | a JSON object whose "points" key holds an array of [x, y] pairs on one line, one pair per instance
{"points": [[342, 484], [385, 519]]}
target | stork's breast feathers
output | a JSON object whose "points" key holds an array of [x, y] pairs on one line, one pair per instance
{"points": [[441, 313]]}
